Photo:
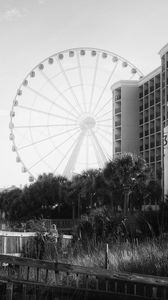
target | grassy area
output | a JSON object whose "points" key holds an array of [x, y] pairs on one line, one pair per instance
{"points": [[150, 257]]}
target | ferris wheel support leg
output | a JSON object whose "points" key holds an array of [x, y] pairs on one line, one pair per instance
{"points": [[99, 148], [72, 160]]}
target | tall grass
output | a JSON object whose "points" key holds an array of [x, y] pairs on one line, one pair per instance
{"points": [[149, 257]]}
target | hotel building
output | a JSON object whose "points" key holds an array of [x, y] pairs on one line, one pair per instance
{"points": [[140, 115]]}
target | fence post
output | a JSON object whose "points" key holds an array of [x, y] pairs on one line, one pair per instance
{"points": [[106, 257], [5, 241], [9, 290], [24, 291]]}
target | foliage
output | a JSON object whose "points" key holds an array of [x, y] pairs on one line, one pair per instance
{"points": [[42, 246], [149, 257], [57, 197]]}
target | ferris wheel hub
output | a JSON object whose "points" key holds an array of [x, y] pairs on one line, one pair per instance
{"points": [[87, 123]]}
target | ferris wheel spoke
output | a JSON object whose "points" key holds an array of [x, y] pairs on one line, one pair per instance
{"points": [[53, 150], [102, 121], [44, 125], [108, 126], [68, 151], [60, 93], [105, 131], [101, 109], [45, 139], [81, 81], [69, 85], [51, 101], [110, 111], [131, 77], [87, 151], [104, 137], [97, 153], [45, 113], [102, 92], [99, 148], [75, 152], [93, 82]]}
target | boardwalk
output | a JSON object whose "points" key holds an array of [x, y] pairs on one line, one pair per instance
{"points": [[22, 278]]}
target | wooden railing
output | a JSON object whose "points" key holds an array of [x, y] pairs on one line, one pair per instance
{"points": [[68, 279], [13, 242]]}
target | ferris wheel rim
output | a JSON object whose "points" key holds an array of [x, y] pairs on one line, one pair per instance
{"points": [[111, 53], [76, 50]]}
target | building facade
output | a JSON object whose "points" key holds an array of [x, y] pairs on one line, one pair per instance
{"points": [[140, 114]]}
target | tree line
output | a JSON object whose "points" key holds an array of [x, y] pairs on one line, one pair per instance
{"points": [[54, 197]]}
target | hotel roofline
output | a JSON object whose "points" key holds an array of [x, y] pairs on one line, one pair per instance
{"points": [[149, 76], [163, 50], [120, 83]]}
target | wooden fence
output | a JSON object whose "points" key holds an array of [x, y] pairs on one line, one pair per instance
{"points": [[75, 282], [13, 242]]}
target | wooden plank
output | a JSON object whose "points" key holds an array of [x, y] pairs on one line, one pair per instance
{"points": [[27, 262], [4, 244], [17, 234]]}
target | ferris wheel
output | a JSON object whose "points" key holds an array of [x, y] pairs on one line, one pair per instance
{"points": [[61, 119]]}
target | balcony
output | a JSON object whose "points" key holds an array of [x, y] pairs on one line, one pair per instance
{"points": [[117, 97], [117, 149], [117, 110], [157, 85], [158, 142], [152, 130], [141, 108], [118, 136], [158, 157], [157, 113], [152, 158], [151, 102], [117, 123], [157, 128]]}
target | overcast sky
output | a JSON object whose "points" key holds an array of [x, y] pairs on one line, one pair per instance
{"points": [[31, 30]]}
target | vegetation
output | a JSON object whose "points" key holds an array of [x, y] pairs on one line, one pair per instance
{"points": [[149, 257], [57, 197]]}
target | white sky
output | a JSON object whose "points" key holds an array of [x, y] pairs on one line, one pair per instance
{"points": [[31, 30]]}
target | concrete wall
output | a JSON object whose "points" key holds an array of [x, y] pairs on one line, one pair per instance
{"points": [[129, 119]]}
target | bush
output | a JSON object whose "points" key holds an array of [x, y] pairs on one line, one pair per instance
{"points": [[43, 245]]}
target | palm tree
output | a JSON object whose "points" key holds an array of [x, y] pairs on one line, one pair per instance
{"points": [[124, 173]]}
